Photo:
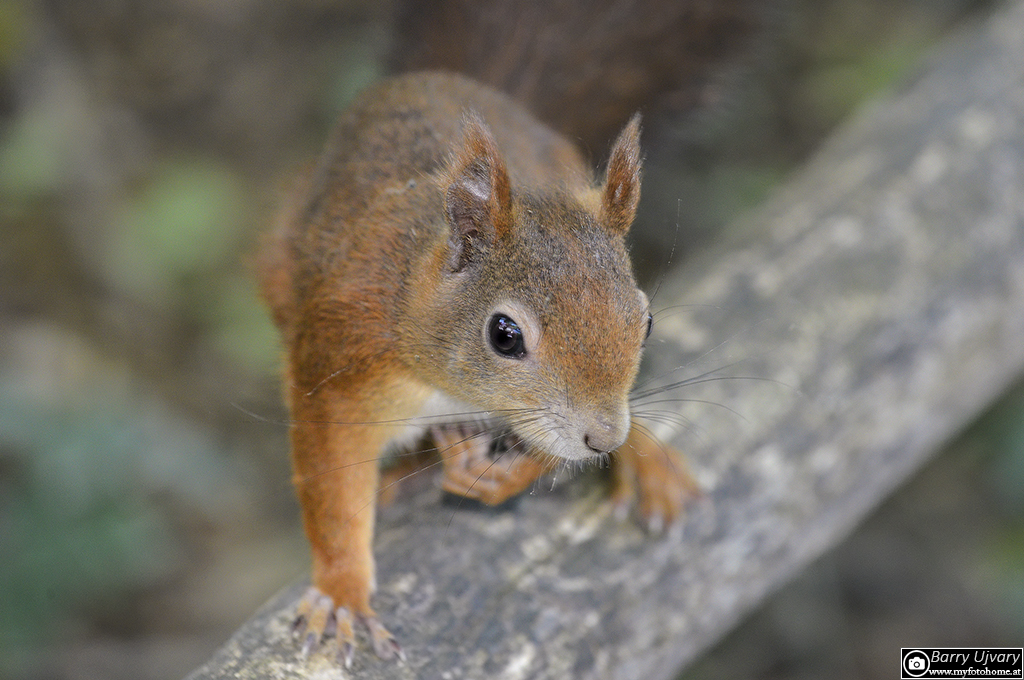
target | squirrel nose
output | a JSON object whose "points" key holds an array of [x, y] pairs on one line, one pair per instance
{"points": [[606, 433]]}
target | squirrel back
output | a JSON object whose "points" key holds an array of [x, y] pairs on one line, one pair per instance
{"points": [[398, 131]]}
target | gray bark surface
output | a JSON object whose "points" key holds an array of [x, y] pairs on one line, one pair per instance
{"points": [[878, 298]]}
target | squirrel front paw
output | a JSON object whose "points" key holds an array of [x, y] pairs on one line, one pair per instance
{"points": [[652, 478], [647, 476], [317, 618], [474, 469]]}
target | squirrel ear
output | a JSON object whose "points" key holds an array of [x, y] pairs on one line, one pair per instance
{"points": [[622, 184], [478, 197]]}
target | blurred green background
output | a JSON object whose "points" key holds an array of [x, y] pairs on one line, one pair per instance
{"points": [[145, 505]]}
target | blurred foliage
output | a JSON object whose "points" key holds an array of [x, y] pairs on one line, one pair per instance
{"points": [[183, 224], [239, 326], [177, 244], [13, 28], [1001, 433], [93, 471], [31, 158]]}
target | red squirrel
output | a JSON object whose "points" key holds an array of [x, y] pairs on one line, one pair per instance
{"points": [[451, 268]]}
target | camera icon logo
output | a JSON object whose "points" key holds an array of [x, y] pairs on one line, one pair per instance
{"points": [[915, 663]]}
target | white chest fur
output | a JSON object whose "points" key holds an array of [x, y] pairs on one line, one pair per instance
{"points": [[438, 409]]}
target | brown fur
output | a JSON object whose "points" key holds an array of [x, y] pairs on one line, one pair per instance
{"points": [[585, 67]]}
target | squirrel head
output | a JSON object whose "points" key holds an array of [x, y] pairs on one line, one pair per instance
{"points": [[543, 322]]}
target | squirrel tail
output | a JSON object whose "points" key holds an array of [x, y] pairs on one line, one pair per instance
{"points": [[585, 66]]}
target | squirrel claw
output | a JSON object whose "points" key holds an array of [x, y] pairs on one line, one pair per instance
{"points": [[384, 643], [346, 636], [346, 652], [317, 619], [656, 524], [308, 645], [311, 620]]}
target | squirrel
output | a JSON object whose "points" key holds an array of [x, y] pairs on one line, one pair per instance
{"points": [[450, 270], [450, 266]]}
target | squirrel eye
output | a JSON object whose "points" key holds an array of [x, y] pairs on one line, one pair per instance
{"points": [[650, 325], [506, 337]]}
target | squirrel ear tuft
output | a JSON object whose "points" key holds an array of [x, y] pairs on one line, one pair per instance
{"points": [[621, 192], [478, 196]]}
